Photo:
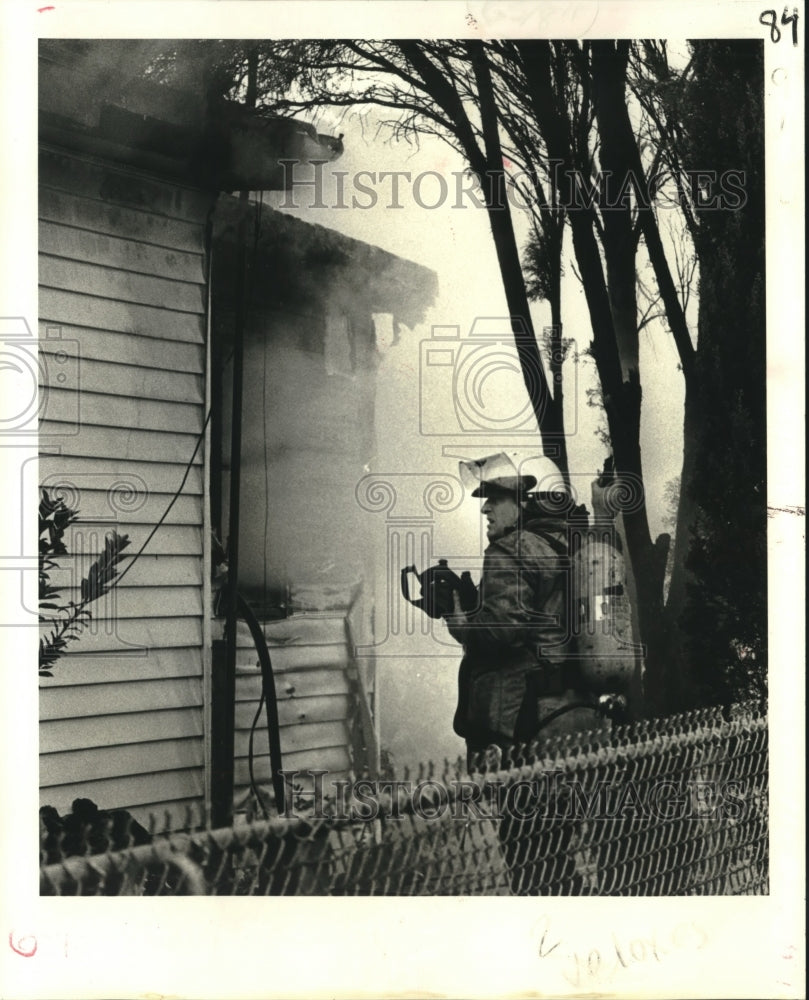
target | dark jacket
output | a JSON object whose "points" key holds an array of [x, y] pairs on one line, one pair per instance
{"points": [[514, 641]]}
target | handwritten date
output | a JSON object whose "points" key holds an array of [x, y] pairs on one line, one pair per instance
{"points": [[583, 967]]}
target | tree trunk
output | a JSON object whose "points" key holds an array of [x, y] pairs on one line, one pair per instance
{"points": [[488, 166], [619, 255], [677, 681], [718, 594], [647, 560], [556, 406], [622, 398], [493, 180], [618, 142]]}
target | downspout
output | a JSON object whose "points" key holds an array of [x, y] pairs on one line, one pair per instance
{"points": [[207, 554], [224, 726], [223, 790]]}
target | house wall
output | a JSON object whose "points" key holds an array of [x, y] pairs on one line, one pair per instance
{"points": [[122, 286], [310, 385], [308, 430], [316, 690], [309, 438]]}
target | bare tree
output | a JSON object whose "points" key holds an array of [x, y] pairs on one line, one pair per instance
{"points": [[560, 112]]}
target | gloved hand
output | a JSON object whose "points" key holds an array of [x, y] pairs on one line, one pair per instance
{"points": [[458, 616]]}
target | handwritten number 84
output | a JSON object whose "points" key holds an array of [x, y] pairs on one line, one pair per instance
{"points": [[769, 19]]}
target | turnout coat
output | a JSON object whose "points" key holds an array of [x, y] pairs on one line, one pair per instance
{"points": [[513, 670]]}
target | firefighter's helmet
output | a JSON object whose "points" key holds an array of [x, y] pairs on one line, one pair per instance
{"points": [[509, 473]]}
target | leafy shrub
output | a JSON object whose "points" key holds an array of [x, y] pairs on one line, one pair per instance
{"points": [[64, 621]]}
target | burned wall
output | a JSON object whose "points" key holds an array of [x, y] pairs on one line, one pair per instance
{"points": [[309, 386]]}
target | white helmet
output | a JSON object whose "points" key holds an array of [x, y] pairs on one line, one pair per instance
{"points": [[548, 476], [510, 473]]}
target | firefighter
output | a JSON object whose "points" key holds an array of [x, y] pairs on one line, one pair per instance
{"points": [[516, 681]]}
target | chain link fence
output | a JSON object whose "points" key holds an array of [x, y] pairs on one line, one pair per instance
{"points": [[674, 806]]}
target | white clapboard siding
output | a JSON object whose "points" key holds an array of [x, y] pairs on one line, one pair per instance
{"points": [[105, 410], [149, 571], [296, 711], [102, 313], [113, 251], [122, 379], [141, 602], [137, 636], [120, 286], [118, 730], [310, 658], [122, 328], [107, 345], [296, 657], [160, 477], [137, 792], [173, 539], [92, 700], [78, 669], [126, 504], [335, 760], [130, 444], [297, 685], [171, 754], [70, 209], [93, 178], [301, 737]]}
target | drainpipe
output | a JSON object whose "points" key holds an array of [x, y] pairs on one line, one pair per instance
{"points": [[224, 727], [225, 702]]}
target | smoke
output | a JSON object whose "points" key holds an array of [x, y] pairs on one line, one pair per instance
{"points": [[129, 73]]}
